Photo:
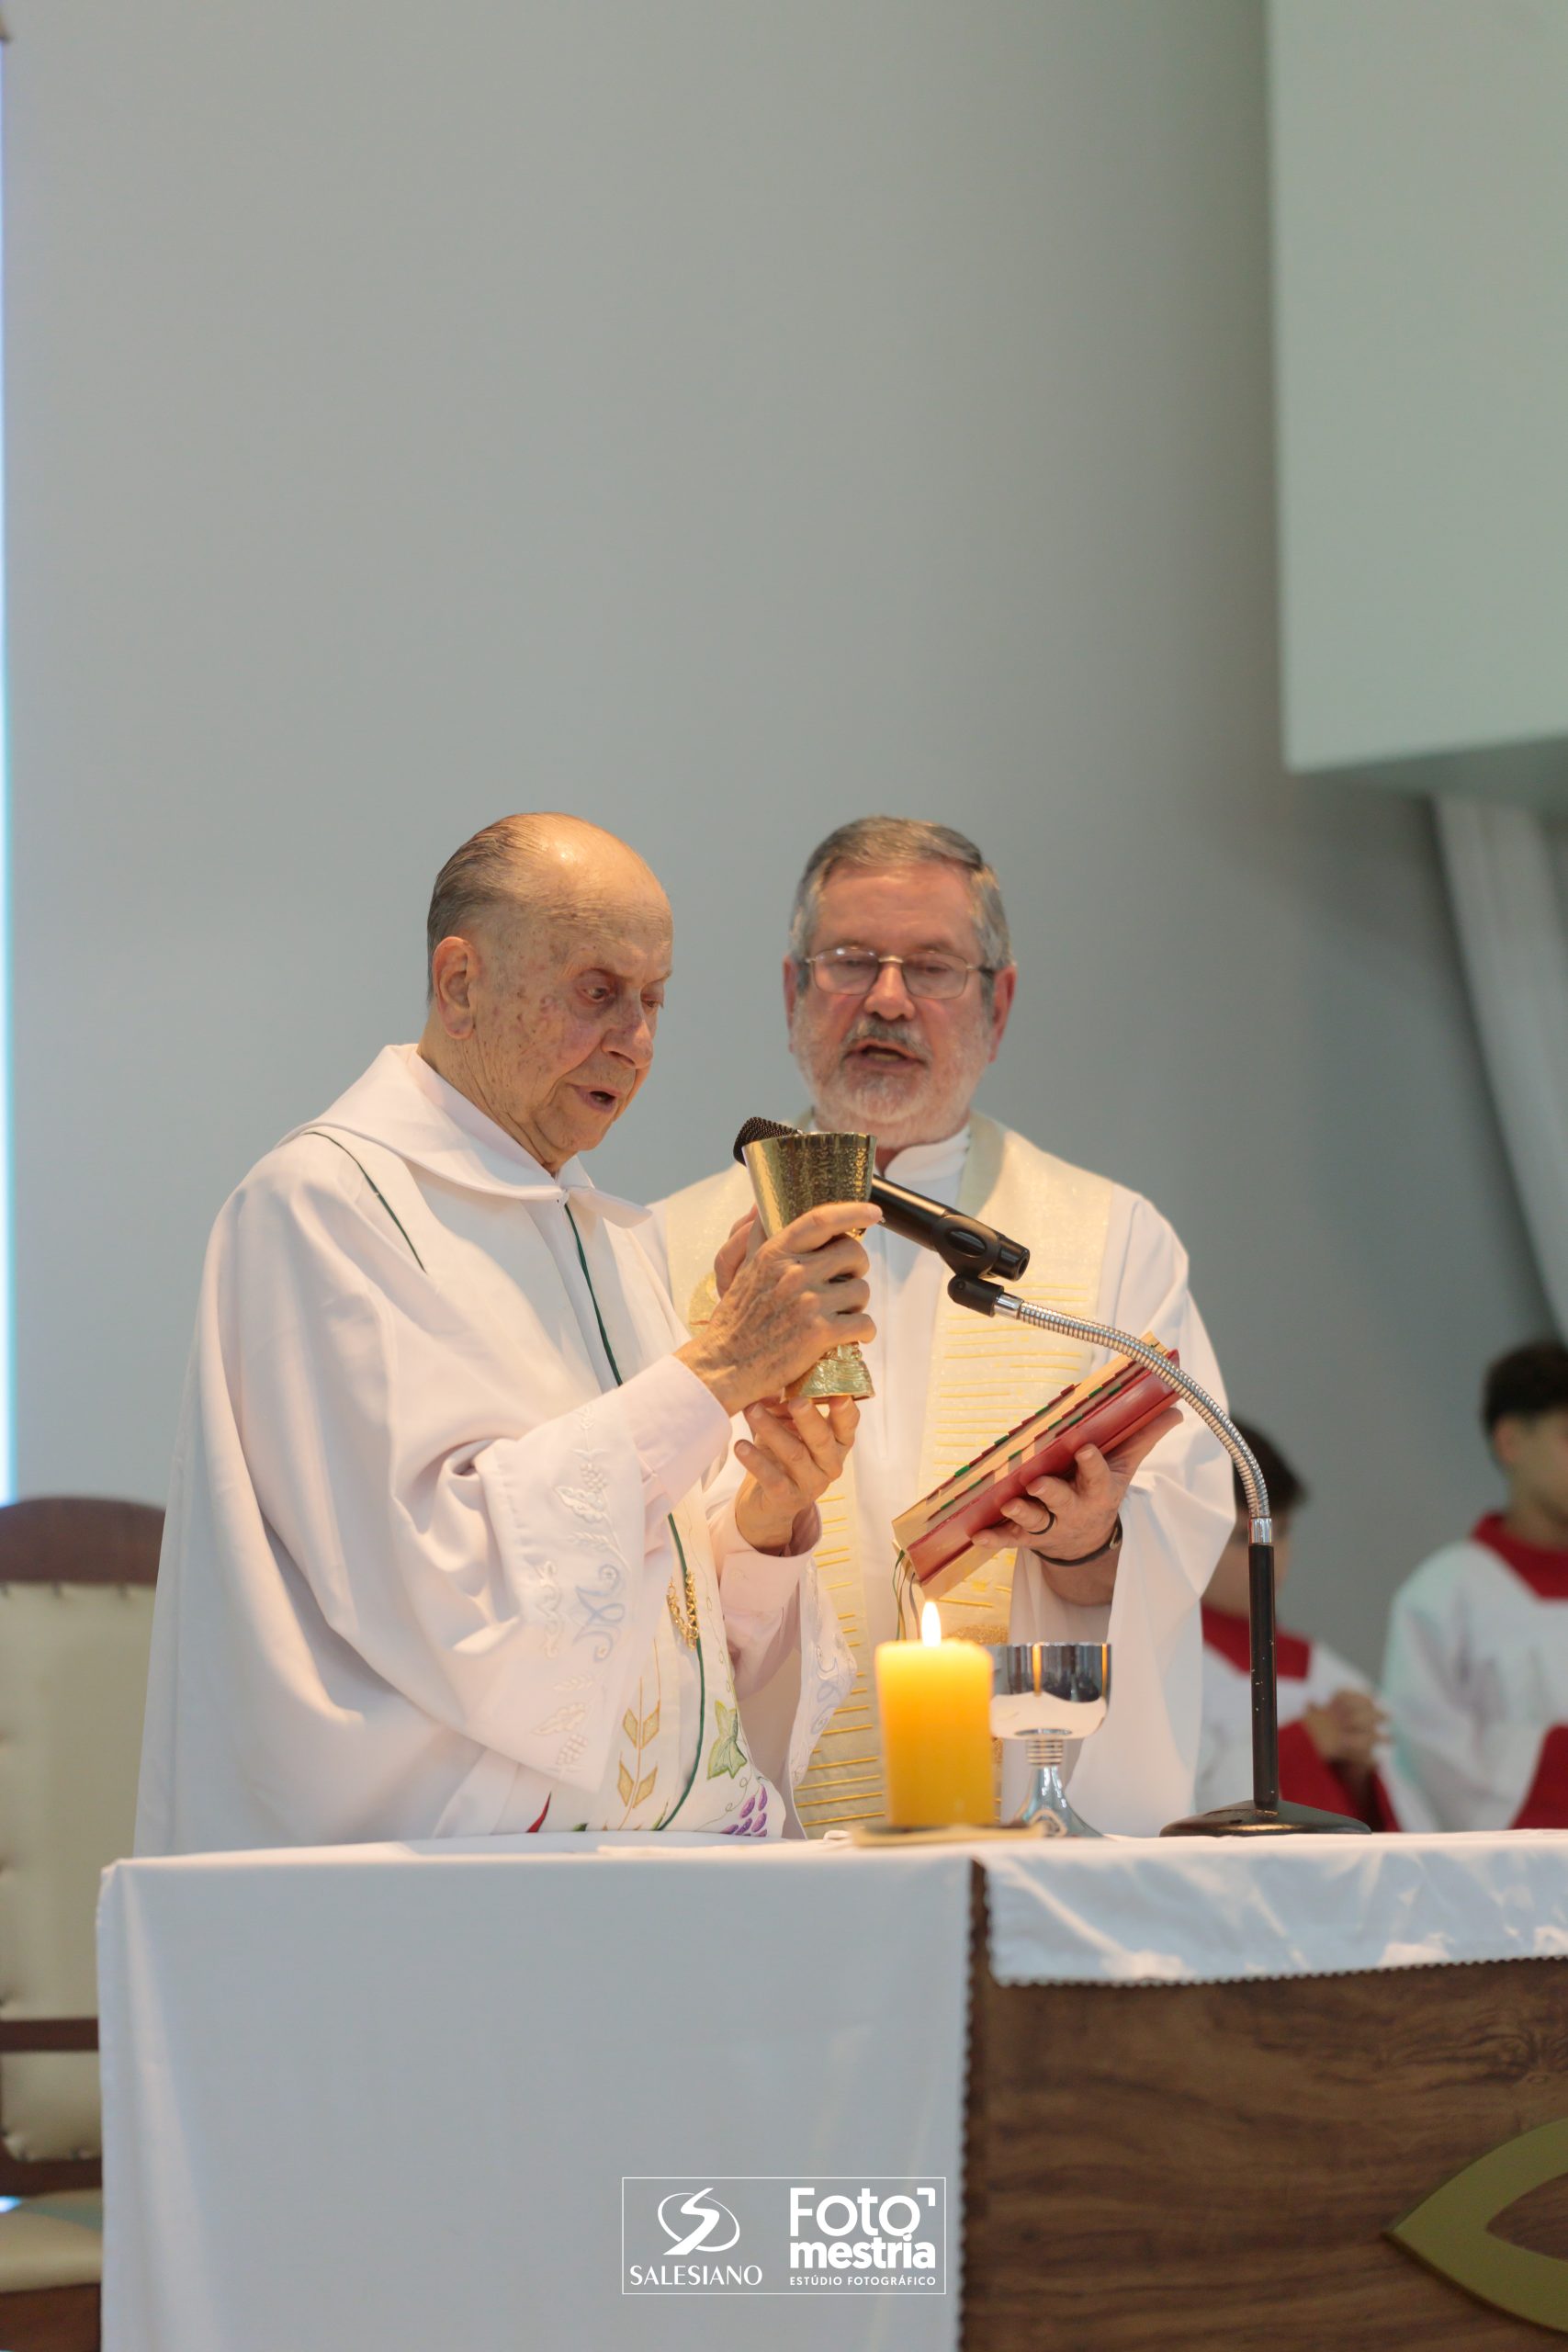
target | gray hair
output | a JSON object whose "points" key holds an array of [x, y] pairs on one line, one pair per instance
{"points": [[481, 875], [880, 841], [515, 865]]}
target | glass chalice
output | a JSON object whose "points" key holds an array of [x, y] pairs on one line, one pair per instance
{"points": [[1045, 1693]]}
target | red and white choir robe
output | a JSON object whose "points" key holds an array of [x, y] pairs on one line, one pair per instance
{"points": [[1308, 1675], [1476, 1682], [450, 1517]]}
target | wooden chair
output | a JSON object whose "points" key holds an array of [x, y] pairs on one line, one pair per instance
{"points": [[76, 1577]]}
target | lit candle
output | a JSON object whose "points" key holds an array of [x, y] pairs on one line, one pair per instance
{"points": [[934, 1698]]}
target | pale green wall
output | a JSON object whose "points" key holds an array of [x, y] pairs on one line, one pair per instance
{"points": [[1420, 208], [721, 417]]}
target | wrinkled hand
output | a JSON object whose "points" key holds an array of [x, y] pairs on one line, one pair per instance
{"points": [[1347, 1731], [743, 1240], [794, 1297], [796, 1451], [1071, 1517]]}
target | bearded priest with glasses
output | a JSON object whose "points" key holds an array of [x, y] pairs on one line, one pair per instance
{"points": [[899, 984]]}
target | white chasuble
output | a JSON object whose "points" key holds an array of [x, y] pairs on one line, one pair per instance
{"points": [[947, 1382], [680, 1760], [451, 1547]]}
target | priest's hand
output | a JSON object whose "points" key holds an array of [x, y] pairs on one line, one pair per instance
{"points": [[742, 1241], [799, 1294], [795, 1453], [1074, 1525]]}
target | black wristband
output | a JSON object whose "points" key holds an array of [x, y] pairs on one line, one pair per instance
{"points": [[1111, 1544]]}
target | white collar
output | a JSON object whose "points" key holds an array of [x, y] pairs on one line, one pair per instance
{"points": [[410, 1108], [921, 1165]]}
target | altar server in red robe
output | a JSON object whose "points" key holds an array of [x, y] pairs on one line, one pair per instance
{"points": [[1477, 1667], [1330, 1723]]}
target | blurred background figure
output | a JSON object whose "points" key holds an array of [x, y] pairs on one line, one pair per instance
{"points": [[1332, 1729], [1477, 1667]]}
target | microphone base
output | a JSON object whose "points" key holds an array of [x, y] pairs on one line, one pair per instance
{"points": [[1249, 1820]]}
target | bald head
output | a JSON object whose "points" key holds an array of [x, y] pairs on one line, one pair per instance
{"points": [[541, 865]]}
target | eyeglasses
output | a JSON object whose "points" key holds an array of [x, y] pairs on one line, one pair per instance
{"points": [[854, 971]]}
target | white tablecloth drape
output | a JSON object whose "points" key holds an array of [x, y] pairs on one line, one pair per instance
{"points": [[1212, 1911], [382, 2099], [386, 2096]]}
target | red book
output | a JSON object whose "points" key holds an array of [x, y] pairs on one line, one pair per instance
{"points": [[1105, 1409]]}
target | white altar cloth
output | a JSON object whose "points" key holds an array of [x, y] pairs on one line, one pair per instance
{"points": [[1217, 1910], [384, 2097], [381, 2099]]}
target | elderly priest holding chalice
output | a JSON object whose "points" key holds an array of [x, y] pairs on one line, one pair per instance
{"points": [[458, 1542]]}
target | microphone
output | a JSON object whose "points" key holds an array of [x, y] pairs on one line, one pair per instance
{"points": [[968, 1246]]}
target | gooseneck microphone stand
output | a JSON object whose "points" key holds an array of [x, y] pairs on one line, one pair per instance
{"points": [[1266, 1816]]}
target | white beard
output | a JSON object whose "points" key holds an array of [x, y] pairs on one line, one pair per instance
{"points": [[890, 1105]]}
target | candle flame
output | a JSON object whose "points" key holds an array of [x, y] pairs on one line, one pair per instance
{"points": [[930, 1624]]}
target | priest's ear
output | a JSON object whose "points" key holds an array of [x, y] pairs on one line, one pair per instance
{"points": [[1004, 985], [454, 976]]}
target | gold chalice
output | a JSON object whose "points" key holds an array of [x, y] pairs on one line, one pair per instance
{"points": [[791, 1173]]}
